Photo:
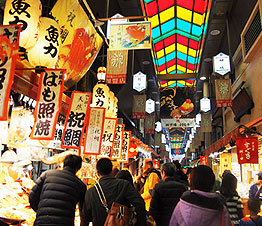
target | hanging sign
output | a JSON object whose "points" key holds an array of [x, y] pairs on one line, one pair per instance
{"points": [[108, 136], [205, 104], [182, 122], [150, 106], [9, 37], [204, 160], [117, 146], [101, 94], [116, 66], [139, 81], [225, 162], [75, 120], [125, 146], [158, 139], [139, 107], [206, 123], [223, 92], [49, 100], [131, 35], [150, 124], [247, 149], [58, 136], [221, 64], [94, 131], [114, 21]]}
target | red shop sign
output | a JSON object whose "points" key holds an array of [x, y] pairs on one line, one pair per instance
{"points": [[204, 160], [247, 149]]}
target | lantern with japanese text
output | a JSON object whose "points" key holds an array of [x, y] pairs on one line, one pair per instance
{"points": [[45, 52], [27, 13], [101, 73], [100, 95]]}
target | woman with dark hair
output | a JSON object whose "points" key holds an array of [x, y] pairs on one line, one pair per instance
{"points": [[232, 200], [125, 175], [200, 206]]}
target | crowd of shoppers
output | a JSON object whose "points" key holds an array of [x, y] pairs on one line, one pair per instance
{"points": [[172, 196]]}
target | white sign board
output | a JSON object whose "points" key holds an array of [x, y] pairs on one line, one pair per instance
{"points": [[221, 64], [183, 122], [139, 81], [114, 21], [205, 105], [150, 106]]}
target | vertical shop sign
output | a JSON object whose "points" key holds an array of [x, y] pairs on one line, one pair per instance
{"points": [[49, 100], [9, 43], [116, 66], [150, 124], [117, 146], [76, 120], [206, 123], [108, 137], [139, 81], [247, 149], [139, 107], [125, 146], [223, 92], [58, 136], [94, 131], [204, 160], [225, 162]]}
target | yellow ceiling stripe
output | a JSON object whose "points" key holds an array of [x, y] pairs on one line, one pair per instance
{"points": [[180, 68], [160, 53], [167, 14], [198, 19], [184, 14], [170, 48], [154, 21], [172, 68], [182, 48]]}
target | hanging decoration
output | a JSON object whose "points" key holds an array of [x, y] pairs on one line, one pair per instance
{"points": [[125, 146], [204, 160], [9, 44], [49, 100], [150, 124], [118, 141], [247, 149], [76, 120], [150, 106], [139, 107], [133, 145], [26, 13], [116, 66], [94, 131], [206, 123], [158, 139], [46, 50], [225, 162], [139, 81], [108, 136], [100, 95], [223, 92], [221, 64]]}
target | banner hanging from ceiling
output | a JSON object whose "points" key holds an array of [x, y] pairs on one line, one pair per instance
{"points": [[223, 92], [181, 122], [117, 146], [9, 44], [225, 162], [94, 131], [139, 107], [150, 124], [76, 120], [176, 102], [125, 146], [206, 123], [204, 160], [49, 100], [131, 35], [116, 66], [247, 149], [80, 43]]}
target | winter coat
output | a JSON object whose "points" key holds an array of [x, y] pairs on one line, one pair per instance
{"points": [[165, 196], [55, 195], [200, 208], [151, 181], [114, 189], [247, 221]]}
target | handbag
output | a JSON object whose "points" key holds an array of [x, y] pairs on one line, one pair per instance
{"points": [[118, 214]]}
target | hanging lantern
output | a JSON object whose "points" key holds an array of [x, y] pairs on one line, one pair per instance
{"points": [[101, 73], [27, 13], [100, 95], [45, 52]]}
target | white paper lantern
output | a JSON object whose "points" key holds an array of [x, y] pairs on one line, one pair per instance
{"points": [[45, 52], [27, 13], [100, 96]]}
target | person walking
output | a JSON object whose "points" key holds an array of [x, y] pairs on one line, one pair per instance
{"points": [[255, 190], [56, 193], [254, 219], [166, 195], [200, 206], [115, 190]]}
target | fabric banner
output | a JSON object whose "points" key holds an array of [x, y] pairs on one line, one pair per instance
{"points": [[225, 162], [80, 43], [49, 100], [131, 35], [139, 107], [108, 137], [117, 147], [204, 160], [116, 66], [247, 149], [158, 139], [150, 124], [9, 44], [179, 122], [223, 92], [206, 123], [94, 131], [76, 120], [125, 146]]}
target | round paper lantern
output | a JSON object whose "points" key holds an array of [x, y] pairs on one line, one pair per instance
{"points": [[26, 13], [45, 52], [100, 95], [101, 73]]}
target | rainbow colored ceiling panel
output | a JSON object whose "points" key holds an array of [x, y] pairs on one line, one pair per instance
{"points": [[178, 29]]}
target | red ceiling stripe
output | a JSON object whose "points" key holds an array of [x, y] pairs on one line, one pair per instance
{"points": [[190, 66], [182, 40], [162, 67], [193, 44], [200, 6], [170, 40], [159, 46], [171, 63], [181, 62], [185, 3], [151, 8], [164, 4]]}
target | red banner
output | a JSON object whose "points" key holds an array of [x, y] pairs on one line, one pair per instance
{"points": [[247, 149], [49, 100], [9, 36], [204, 160], [76, 120]]}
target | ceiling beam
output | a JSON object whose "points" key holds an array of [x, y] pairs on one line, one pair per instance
{"points": [[172, 77]]}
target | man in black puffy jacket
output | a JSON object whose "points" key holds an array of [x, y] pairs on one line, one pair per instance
{"points": [[114, 189], [166, 195], [56, 193]]}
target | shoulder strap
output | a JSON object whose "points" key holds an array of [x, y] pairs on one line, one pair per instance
{"points": [[253, 221], [101, 196]]}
